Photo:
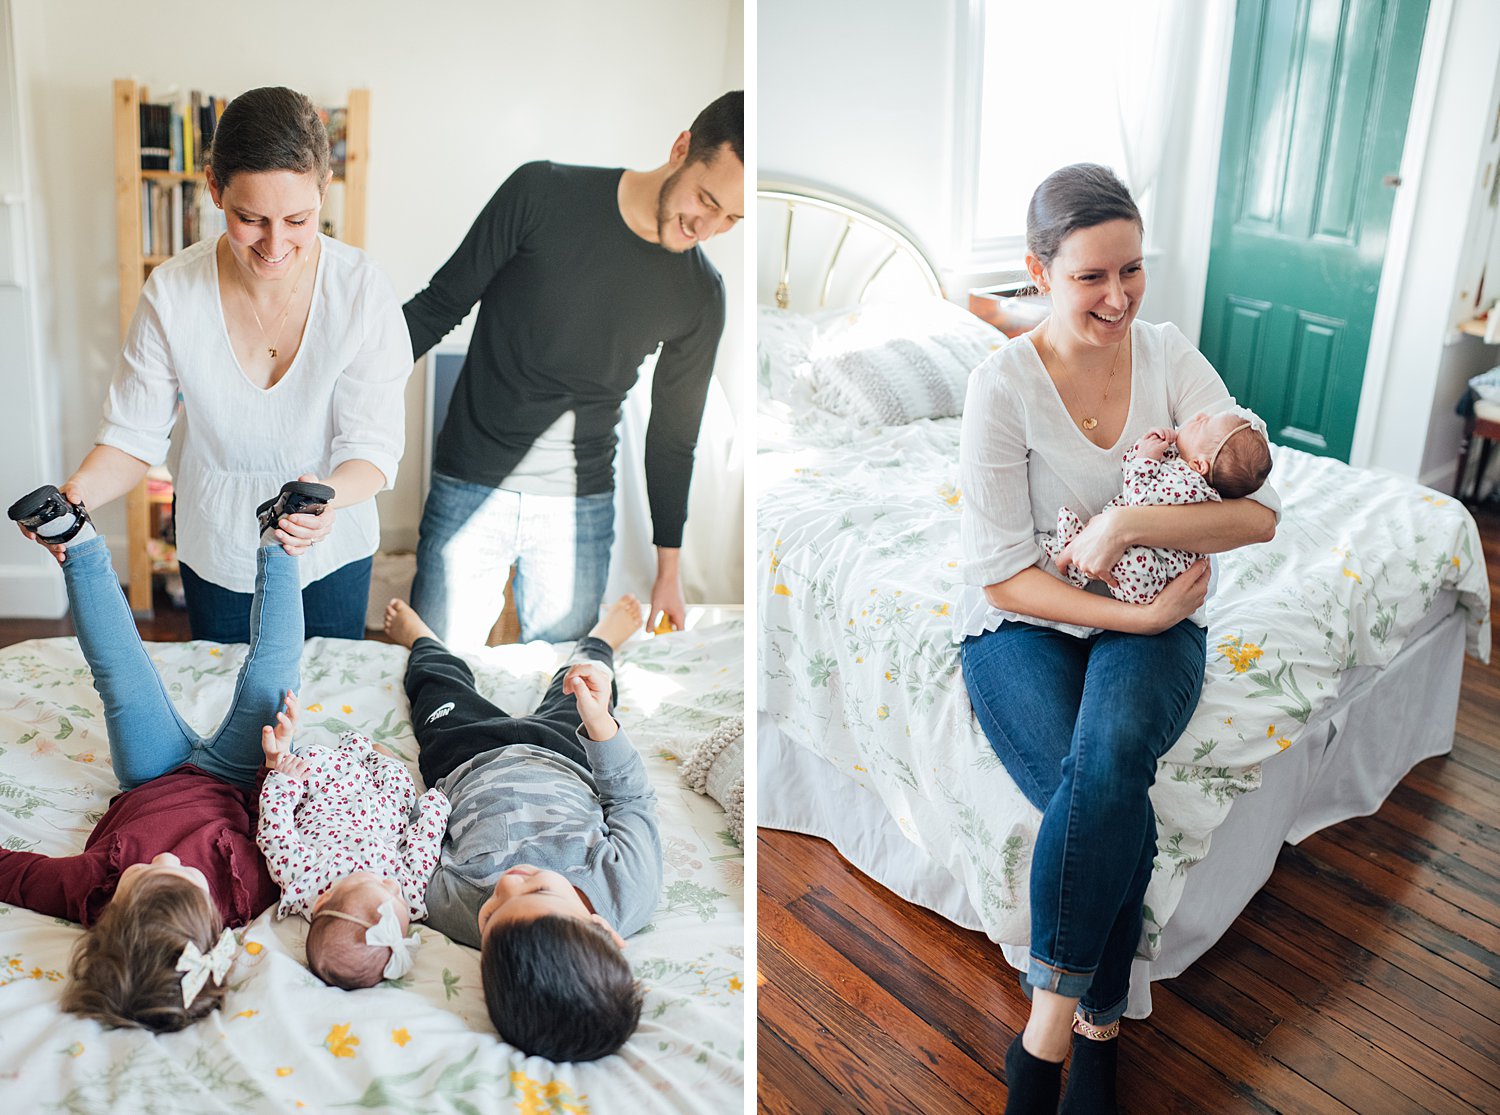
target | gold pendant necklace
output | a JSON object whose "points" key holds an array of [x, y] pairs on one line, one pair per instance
{"points": [[1090, 422], [272, 346]]}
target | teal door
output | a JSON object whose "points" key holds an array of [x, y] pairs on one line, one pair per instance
{"points": [[1319, 94]]}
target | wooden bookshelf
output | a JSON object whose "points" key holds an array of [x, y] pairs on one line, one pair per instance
{"points": [[134, 265]]}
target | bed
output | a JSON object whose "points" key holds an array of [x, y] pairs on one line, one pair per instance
{"points": [[285, 1041], [1334, 652]]}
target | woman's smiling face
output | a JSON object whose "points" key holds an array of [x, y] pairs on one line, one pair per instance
{"points": [[1097, 279], [272, 218]]}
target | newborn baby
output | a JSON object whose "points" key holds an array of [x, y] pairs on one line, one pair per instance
{"points": [[1207, 458]]}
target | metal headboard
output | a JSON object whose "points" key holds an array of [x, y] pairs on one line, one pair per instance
{"points": [[844, 252]]}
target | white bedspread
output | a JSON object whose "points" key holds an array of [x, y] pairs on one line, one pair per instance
{"points": [[859, 550], [285, 1041]]}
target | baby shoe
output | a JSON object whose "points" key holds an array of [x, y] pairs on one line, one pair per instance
{"points": [[47, 505], [297, 497]]}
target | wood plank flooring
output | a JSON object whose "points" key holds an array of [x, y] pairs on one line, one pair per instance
{"points": [[1364, 977]]}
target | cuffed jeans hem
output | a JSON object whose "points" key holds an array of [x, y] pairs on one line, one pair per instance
{"points": [[1060, 981], [1104, 1017], [1113, 1013]]}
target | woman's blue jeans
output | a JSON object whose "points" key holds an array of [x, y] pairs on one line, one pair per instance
{"points": [[334, 606], [1080, 725], [147, 736]]}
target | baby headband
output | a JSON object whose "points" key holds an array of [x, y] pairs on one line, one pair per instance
{"points": [[385, 934], [197, 966], [1214, 456]]}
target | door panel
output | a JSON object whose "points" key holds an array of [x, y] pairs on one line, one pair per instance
{"points": [[1319, 94]]}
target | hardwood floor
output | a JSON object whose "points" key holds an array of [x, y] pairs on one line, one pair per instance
{"points": [[1364, 977]]}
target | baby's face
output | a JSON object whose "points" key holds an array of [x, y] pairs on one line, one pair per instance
{"points": [[1198, 437], [361, 894]]}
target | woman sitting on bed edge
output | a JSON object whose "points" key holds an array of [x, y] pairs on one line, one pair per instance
{"points": [[1080, 694]]}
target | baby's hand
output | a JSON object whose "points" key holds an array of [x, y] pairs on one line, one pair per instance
{"points": [[276, 742], [588, 682], [293, 766], [1154, 444]]}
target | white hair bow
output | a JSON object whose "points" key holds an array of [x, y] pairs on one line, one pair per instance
{"points": [[198, 966], [386, 933], [1257, 423]]}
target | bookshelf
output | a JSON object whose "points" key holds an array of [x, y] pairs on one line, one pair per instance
{"points": [[143, 505]]}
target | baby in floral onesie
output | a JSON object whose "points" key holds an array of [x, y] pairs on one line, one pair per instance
{"points": [[337, 830], [1206, 459]]}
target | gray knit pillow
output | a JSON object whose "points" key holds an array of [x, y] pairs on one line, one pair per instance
{"points": [[716, 767], [885, 364]]}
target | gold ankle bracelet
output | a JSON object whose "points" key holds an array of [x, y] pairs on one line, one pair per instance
{"points": [[1096, 1033]]}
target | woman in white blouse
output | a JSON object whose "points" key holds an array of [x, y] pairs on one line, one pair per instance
{"points": [[1080, 694], [290, 354]]}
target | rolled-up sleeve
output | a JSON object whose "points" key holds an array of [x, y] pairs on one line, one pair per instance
{"points": [[998, 534], [369, 412], [1195, 388], [141, 406]]}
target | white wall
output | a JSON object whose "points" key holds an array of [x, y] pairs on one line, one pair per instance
{"points": [[462, 92], [857, 96]]}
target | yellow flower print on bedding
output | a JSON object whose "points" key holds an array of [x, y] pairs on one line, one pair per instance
{"points": [[340, 1042], [537, 1098], [1242, 655], [14, 970]]}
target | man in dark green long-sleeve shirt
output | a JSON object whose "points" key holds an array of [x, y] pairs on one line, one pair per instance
{"points": [[581, 274]]}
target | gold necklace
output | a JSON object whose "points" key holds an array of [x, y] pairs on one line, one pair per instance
{"points": [[1089, 423], [271, 345]]}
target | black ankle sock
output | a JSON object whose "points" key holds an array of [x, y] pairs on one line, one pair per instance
{"points": [[1091, 1077], [1033, 1083]]}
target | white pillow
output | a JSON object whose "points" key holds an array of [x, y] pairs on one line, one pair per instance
{"points": [[887, 363], [783, 342]]}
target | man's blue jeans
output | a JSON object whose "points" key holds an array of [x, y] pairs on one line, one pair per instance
{"points": [[472, 534], [147, 736], [1080, 725]]}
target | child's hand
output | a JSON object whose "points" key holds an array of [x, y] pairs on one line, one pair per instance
{"points": [[588, 682], [276, 742], [293, 766]]}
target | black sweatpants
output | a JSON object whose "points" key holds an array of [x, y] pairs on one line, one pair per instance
{"points": [[453, 723]]}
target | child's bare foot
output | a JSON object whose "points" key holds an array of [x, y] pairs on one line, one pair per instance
{"points": [[623, 620], [404, 625]]}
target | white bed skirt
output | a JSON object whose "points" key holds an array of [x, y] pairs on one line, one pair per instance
{"points": [[1345, 766]]}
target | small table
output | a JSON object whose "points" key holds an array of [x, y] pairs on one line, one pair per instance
{"points": [[1008, 309]]}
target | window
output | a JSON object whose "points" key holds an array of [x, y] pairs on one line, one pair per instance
{"points": [[1047, 84]]}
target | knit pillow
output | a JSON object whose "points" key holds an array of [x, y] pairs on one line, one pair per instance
{"points": [[716, 767], [884, 364]]}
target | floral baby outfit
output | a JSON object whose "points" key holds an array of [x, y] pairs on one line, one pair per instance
{"points": [[353, 813], [1142, 571]]}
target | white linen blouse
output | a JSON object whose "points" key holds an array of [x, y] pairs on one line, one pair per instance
{"points": [[341, 400], [1021, 457]]}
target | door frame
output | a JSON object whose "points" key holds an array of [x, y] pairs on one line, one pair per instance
{"points": [[1402, 226]]}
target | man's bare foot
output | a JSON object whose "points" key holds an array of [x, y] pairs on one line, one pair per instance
{"points": [[623, 620], [404, 625]]}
